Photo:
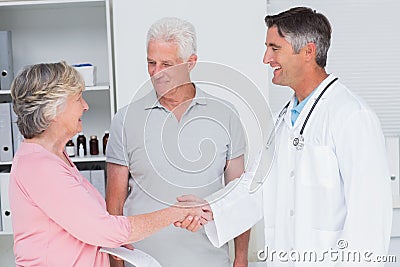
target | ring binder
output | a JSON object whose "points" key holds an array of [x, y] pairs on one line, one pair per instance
{"points": [[6, 60], [6, 140]]}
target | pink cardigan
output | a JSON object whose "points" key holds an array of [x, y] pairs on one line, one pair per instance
{"points": [[58, 217]]}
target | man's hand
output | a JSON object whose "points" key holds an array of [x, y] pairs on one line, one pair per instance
{"points": [[190, 223]]}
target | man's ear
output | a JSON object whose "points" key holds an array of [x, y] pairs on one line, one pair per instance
{"points": [[192, 61], [310, 51]]}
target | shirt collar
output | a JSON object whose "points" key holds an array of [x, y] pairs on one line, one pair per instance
{"points": [[152, 102], [293, 105], [299, 106]]}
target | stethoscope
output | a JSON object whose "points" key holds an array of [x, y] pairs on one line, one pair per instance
{"points": [[298, 142]]}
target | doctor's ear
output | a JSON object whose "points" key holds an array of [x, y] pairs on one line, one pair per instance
{"points": [[310, 50]]}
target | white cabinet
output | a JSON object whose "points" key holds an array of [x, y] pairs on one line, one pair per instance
{"points": [[73, 31], [394, 248], [70, 30]]}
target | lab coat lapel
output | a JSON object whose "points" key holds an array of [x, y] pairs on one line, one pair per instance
{"points": [[304, 113]]}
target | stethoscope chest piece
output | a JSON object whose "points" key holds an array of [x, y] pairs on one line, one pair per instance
{"points": [[298, 142]]}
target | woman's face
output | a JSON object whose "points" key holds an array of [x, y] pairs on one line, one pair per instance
{"points": [[69, 120]]}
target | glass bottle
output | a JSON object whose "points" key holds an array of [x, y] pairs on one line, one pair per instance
{"points": [[81, 139], [105, 140], [81, 152], [94, 145], [70, 148]]}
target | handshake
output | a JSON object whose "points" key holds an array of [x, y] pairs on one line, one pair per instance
{"points": [[196, 212]]}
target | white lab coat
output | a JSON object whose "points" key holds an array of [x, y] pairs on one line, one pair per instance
{"points": [[335, 190]]}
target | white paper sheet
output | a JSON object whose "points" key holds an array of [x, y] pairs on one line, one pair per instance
{"points": [[136, 257]]}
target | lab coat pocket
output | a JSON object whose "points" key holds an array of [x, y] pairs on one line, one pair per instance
{"points": [[320, 189], [317, 166]]}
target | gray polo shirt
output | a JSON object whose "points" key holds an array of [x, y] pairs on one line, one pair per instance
{"points": [[168, 158]]}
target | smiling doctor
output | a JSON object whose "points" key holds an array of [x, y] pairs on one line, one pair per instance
{"points": [[328, 190]]}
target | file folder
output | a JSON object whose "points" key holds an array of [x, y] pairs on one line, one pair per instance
{"points": [[16, 134], [1, 212], [5, 203], [86, 174], [6, 147], [97, 179], [393, 154], [6, 60]]}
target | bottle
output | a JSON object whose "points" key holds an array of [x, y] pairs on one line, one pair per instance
{"points": [[81, 151], [105, 140], [70, 148], [81, 139], [94, 145]]}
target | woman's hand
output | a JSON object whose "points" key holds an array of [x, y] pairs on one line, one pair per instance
{"points": [[193, 222]]}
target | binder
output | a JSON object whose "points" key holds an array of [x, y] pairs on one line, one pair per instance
{"points": [[6, 147], [5, 203], [98, 181], [6, 60], [1, 212], [17, 137], [86, 174], [393, 154]]}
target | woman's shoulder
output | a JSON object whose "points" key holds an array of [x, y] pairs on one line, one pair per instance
{"points": [[32, 159]]}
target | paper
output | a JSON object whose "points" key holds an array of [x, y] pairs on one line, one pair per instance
{"points": [[136, 257]]}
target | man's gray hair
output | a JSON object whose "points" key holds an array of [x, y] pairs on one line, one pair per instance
{"points": [[171, 29]]}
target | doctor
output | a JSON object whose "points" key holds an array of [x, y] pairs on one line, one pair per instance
{"points": [[328, 191]]}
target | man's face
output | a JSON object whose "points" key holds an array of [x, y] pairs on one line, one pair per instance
{"points": [[166, 69], [279, 54]]}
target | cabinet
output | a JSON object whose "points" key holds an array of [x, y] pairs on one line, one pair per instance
{"points": [[74, 31], [70, 30]]}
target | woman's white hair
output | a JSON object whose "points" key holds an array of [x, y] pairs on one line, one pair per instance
{"points": [[39, 92], [171, 29]]}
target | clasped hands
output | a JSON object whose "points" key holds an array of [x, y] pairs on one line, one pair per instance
{"points": [[199, 212]]}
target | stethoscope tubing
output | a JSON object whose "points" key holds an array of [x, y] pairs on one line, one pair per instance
{"points": [[298, 142]]}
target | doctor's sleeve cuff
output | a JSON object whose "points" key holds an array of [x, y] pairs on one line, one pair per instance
{"points": [[235, 210]]}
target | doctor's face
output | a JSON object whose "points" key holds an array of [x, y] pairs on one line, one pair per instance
{"points": [[166, 69], [287, 66]]}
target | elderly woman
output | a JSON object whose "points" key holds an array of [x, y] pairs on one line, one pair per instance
{"points": [[59, 219]]}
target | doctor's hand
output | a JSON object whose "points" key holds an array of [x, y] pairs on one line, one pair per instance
{"points": [[189, 223], [194, 216]]}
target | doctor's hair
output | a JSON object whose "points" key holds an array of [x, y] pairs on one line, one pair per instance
{"points": [[40, 91], [302, 25], [178, 31]]}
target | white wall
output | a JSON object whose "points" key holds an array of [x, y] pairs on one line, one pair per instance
{"points": [[229, 32], [364, 53]]}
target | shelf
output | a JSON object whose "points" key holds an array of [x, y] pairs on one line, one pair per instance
{"points": [[99, 87], [5, 92], [74, 159], [88, 158], [5, 233], [56, 3]]}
